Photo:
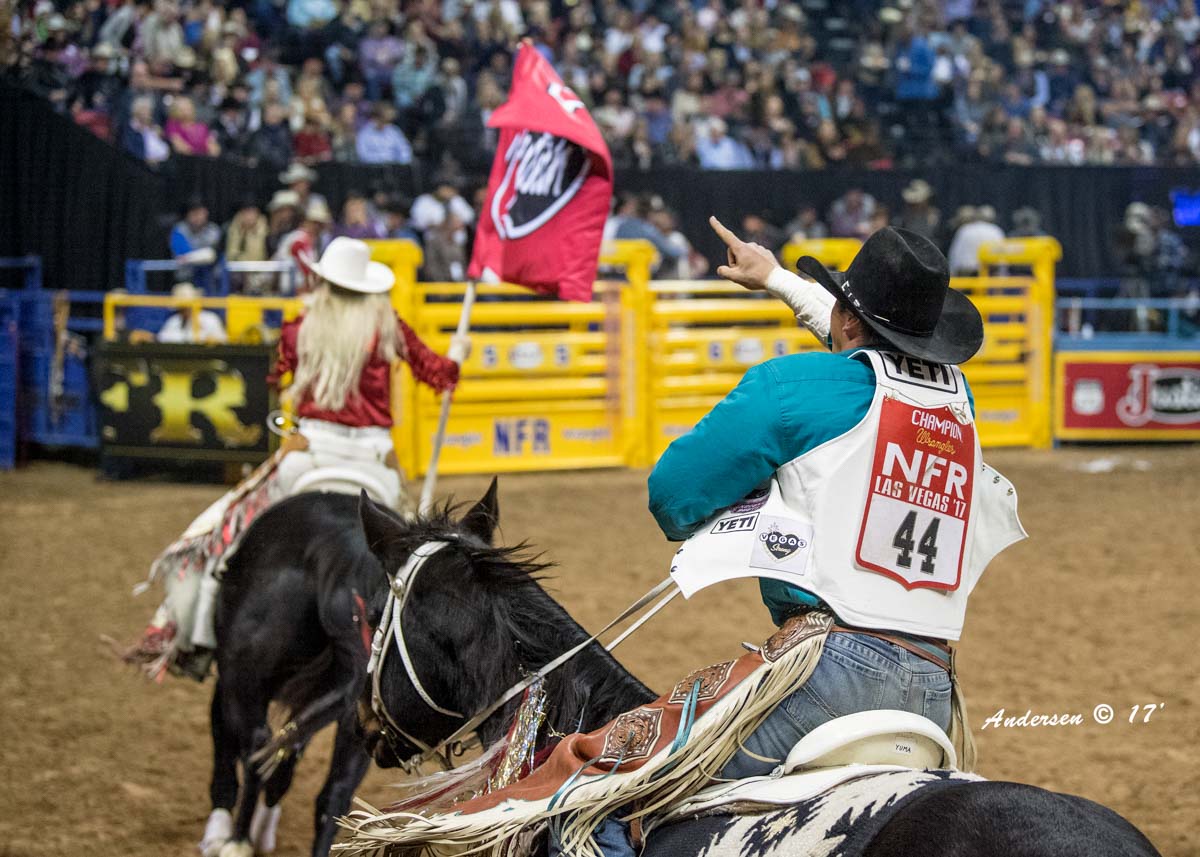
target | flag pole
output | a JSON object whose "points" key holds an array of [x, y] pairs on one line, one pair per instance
{"points": [[464, 325]]}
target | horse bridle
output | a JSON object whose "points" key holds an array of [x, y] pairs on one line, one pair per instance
{"points": [[400, 587]]}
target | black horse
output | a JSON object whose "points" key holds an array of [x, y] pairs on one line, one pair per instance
{"points": [[477, 620], [291, 630], [298, 603]]}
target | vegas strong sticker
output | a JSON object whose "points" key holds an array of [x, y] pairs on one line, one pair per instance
{"points": [[780, 544], [914, 526]]}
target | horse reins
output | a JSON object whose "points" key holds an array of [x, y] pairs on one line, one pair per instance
{"points": [[401, 586]]}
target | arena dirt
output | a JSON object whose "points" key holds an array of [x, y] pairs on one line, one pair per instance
{"points": [[1099, 606]]}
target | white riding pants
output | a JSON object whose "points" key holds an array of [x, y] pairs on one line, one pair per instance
{"points": [[344, 459]]}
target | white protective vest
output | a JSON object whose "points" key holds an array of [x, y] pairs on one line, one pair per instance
{"points": [[891, 524]]}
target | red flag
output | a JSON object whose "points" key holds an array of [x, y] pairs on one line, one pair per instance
{"points": [[549, 190]]}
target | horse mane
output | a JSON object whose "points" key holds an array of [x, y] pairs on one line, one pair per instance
{"points": [[587, 691]]}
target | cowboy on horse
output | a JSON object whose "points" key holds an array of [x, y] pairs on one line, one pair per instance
{"points": [[844, 481], [852, 485], [339, 353]]}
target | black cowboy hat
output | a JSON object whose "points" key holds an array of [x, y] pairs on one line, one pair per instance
{"points": [[899, 285]]}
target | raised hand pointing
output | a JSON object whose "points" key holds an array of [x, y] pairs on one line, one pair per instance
{"points": [[749, 264]]}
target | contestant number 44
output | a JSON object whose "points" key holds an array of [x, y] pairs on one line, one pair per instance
{"points": [[927, 547]]}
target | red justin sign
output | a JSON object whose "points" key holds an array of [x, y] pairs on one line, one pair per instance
{"points": [[1129, 395]]}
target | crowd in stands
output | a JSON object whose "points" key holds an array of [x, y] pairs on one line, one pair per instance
{"points": [[722, 84], [297, 223], [1153, 259]]}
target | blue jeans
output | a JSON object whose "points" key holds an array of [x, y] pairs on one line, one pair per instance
{"points": [[855, 673]]}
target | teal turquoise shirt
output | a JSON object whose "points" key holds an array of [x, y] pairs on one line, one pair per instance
{"points": [[781, 409]]}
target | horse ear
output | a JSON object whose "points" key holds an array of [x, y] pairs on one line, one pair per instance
{"points": [[481, 521], [378, 523]]}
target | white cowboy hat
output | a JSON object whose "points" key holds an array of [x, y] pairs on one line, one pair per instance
{"points": [[297, 173], [347, 264], [282, 199], [318, 212], [918, 190], [965, 214]]}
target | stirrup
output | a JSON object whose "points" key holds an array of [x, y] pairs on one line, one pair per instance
{"points": [[195, 664]]}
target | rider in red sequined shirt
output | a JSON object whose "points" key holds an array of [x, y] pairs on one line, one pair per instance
{"points": [[372, 404]]}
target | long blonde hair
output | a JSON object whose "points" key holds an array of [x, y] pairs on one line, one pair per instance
{"points": [[335, 341]]}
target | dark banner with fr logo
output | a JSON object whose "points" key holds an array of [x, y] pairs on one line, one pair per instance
{"points": [[185, 401]]}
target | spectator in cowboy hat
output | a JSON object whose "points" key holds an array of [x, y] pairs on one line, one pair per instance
{"points": [[187, 325], [978, 227], [431, 208], [283, 214], [395, 220], [271, 143], [918, 214], [246, 241], [300, 179], [304, 244], [246, 235], [194, 242], [1027, 223], [230, 125]]}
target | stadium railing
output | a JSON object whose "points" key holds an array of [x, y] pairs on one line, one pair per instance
{"points": [[1128, 323]]}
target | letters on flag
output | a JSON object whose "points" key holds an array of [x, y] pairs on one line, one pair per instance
{"points": [[549, 190]]}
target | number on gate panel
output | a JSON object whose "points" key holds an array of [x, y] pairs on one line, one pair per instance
{"points": [[903, 541]]}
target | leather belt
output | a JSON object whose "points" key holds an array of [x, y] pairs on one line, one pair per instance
{"points": [[937, 652]]}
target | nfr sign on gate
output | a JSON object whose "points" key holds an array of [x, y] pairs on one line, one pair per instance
{"points": [[549, 385], [545, 387]]}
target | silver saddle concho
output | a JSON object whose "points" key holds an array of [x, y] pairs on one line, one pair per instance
{"points": [[842, 749]]}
